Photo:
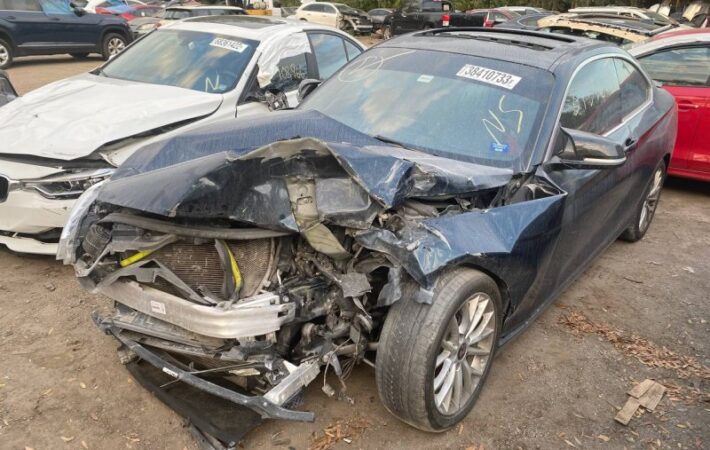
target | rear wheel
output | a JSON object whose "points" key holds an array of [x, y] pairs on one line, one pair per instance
{"points": [[432, 360], [5, 54], [647, 209], [113, 45]]}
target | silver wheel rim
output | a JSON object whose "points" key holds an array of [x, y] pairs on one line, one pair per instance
{"points": [[115, 46], [464, 354], [4, 55], [651, 201]]}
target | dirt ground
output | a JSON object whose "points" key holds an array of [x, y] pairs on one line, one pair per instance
{"points": [[557, 386]]}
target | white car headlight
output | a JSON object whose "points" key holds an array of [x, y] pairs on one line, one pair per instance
{"points": [[146, 27], [68, 185], [66, 250]]}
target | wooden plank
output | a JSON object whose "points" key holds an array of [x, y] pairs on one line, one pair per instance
{"points": [[641, 388], [653, 396], [627, 412]]}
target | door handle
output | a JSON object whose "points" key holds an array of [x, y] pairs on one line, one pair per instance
{"points": [[630, 145], [11, 17], [54, 19], [687, 106]]}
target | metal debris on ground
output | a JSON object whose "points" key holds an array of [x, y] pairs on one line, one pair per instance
{"points": [[643, 350], [342, 430], [648, 394]]}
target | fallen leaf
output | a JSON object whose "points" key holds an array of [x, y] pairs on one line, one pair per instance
{"points": [[67, 439], [570, 444], [83, 386], [85, 445], [603, 437]]}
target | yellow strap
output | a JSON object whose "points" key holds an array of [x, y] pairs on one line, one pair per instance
{"points": [[236, 274], [135, 258]]}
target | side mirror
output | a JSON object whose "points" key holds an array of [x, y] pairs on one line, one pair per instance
{"points": [[582, 150], [78, 10], [306, 87], [7, 91]]}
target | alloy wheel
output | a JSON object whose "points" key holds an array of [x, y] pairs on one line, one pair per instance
{"points": [[4, 55], [116, 46], [464, 354], [651, 201]]}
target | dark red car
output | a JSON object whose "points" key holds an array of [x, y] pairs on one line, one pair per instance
{"points": [[680, 60], [495, 16]]}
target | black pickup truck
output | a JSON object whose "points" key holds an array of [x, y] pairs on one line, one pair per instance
{"points": [[422, 14]]}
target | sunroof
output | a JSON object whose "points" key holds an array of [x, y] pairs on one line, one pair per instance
{"points": [[251, 22]]}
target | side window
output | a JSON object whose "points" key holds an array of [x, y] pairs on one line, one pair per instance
{"points": [[412, 6], [21, 5], [292, 70], [593, 101], [330, 9], [55, 7], [351, 50], [635, 89], [329, 52], [695, 61]]}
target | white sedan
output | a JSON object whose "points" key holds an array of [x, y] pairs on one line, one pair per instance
{"points": [[64, 137]]}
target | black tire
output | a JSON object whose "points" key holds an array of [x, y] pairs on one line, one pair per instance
{"points": [[111, 40], [79, 55], [410, 342], [638, 229], [6, 55]]}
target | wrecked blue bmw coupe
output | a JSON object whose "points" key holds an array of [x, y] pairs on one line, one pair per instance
{"points": [[414, 213]]}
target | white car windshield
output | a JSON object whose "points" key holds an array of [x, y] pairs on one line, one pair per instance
{"points": [[194, 60]]}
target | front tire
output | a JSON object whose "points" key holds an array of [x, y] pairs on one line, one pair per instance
{"points": [[112, 45], [647, 208], [432, 360], [6, 55]]}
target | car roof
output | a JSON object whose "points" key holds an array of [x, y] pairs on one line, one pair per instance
{"points": [[188, 7], [532, 48], [258, 28], [675, 37]]}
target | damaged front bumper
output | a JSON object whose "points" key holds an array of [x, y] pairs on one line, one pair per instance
{"points": [[268, 406]]}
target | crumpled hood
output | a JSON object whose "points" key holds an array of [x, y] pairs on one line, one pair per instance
{"points": [[73, 118], [231, 170]]}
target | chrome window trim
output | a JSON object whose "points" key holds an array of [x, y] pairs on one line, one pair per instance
{"points": [[550, 147]]}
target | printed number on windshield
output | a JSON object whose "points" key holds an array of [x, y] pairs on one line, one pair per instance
{"points": [[490, 76]]}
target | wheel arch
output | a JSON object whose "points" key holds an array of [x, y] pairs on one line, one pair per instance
{"points": [[115, 30], [5, 36], [500, 282]]}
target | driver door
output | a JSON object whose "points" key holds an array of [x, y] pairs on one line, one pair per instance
{"points": [[69, 30], [606, 97]]}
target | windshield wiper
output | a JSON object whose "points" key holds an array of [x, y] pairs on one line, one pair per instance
{"points": [[391, 141], [388, 140]]}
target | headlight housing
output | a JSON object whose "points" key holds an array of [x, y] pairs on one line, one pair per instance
{"points": [[68, 185], [146, 27], [66, 250]]}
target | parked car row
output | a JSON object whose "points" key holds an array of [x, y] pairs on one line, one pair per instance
{"points": [[262, 200], [25, 25]]}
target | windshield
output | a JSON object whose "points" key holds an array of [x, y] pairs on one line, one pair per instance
{"points": [[345, 9], [188, 59], [176, 14], [468, 108]]}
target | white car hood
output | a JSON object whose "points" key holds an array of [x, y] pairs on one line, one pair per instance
{"points": [[72, 118]]}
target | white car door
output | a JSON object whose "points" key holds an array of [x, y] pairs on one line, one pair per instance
{"points": [[329, 16]]}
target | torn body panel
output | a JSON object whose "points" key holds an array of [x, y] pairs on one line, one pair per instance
{"points": [[200, 269]]}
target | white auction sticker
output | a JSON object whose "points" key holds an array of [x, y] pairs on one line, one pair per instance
{"points": [[228, 44], [490, 76]]}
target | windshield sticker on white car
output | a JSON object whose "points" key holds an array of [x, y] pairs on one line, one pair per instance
{"points": [[228, 44], [425, 78], [490, 76]]}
